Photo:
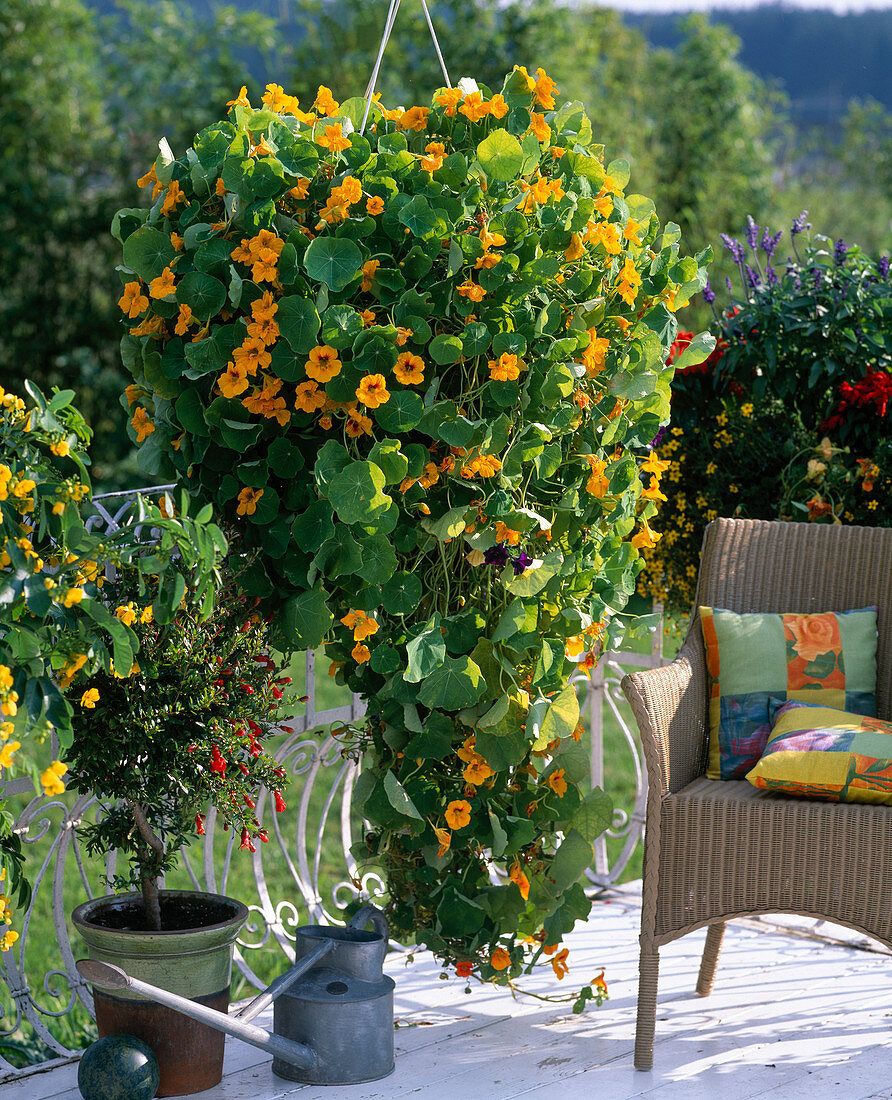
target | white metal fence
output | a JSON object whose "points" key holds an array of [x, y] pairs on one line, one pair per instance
{"points": [[39, 986]]}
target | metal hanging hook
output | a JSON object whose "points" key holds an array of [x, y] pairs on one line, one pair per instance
{"points": [[385, 38]]}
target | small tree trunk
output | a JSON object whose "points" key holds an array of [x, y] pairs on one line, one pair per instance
{"points": [[151, 902], [149, 882]]}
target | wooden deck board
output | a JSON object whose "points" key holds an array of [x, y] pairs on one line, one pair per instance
{"points": [[791, 1018]]}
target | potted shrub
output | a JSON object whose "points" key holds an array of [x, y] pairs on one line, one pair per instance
{"points": [[420, 365], [53, 621], [159, 741]]}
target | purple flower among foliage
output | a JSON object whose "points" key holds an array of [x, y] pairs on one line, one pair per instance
{"points": [[708, 294], [734, 247], [729, 284], [818, 274], [752, 231], [752, 277], [496, 555], [771, 276], [839, 252], [770, 242], [658, 438], [799, 224], [521, 562], [883, 266]]}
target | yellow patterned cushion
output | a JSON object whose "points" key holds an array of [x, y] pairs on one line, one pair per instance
{"points": [[819, 752]]}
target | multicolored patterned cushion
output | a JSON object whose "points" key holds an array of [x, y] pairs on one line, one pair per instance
{"points": [[820, 752], [759, 661]]}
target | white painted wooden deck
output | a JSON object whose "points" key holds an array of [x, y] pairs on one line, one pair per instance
{"points": [[792, 1017]]}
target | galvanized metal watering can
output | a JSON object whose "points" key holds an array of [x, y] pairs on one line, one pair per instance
{"points": [[332, 1011]]}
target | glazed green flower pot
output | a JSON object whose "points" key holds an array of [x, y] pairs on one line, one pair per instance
{"points": [[192, 956]]}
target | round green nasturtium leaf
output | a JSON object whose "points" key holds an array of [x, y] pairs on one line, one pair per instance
{"points": [[500, 155], [401, 413], [202, 293], [334, 261], [148, 251], [298, 322], [304, 619], [402, 593], [456, 684], [356, 493], [341, 324], [446, 350]]}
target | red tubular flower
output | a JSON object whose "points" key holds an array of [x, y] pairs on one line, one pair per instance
{"points": [[249, 802], [254, 728], [264, 836], [280, 801], [199, 824], [284, 680], [247, 843], [276, 692], [246, 688], [280, 772], [218, 764], [243, 767]]}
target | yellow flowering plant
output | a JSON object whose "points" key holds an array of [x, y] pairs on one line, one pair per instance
{"points": [[54, 622], [420, 362]]}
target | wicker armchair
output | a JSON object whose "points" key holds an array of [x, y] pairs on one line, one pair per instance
{"points": [[716, 850]]}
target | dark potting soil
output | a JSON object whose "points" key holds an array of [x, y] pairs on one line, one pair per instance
{"points": [[177, 915]]}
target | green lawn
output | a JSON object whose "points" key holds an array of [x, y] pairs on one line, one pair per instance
{"points": [[235, 870]]}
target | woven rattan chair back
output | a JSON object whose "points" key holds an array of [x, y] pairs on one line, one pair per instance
{"points": [[716, 850]]}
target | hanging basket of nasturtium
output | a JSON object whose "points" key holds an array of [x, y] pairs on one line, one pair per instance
{"points": [[417, 363]]}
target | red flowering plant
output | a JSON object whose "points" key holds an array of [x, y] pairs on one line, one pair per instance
{"points": [[789, 417], [421, 359], [181, 729]]}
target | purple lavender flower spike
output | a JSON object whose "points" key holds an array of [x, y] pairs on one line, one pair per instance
{"points": [[521, 562], [729, 284], [883, 266], [658, 438], [708, 294], [752, 278], [734, 247], [496, 555], [819, 277], [839, 252], [799, 224], [752, 232], [772, 275]]}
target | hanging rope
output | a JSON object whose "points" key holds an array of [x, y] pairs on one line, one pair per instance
{"points": [[385, 38]]}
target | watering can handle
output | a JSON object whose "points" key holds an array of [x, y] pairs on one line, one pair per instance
{"points": [[371, 913]]}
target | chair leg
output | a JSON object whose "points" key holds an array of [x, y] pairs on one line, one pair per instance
{"points": [[648, 976], [714, 936]]}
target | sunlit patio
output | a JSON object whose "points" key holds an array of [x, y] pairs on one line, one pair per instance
{"points": [[797, 1011]]}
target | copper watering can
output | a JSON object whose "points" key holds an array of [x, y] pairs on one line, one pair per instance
{"points": [[332, 1011]]}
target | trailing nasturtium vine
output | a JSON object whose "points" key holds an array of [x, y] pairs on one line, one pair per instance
{"points": [[419, 363]]}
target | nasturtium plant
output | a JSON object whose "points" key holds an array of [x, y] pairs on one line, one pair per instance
{"points": [[420, 364]]}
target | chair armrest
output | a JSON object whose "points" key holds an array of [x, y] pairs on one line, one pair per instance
{"points": [[670, 707]]}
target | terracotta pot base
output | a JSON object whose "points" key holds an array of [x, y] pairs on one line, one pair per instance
{"points": [[170, 1034]]}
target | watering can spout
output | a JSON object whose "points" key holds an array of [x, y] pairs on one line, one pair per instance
{"points": [[107, 976]]}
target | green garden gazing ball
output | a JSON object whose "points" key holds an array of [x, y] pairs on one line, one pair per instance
{"points": [[118, 1067]]}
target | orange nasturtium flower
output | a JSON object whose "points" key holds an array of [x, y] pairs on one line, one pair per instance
{"points": [[360, 653], [241, 99], [323, 364], [133, 301], [472, 290], [500, 959], [498, 108], [247, 501], [477, 772], [444, 839], [372, 391], [333, 139], [540, 127], [308, 397], [409, 369], [544, 90], [458, 814], [598, 482], [90, 698], [474, 107], [325, 102], [414, 119], [362, 625], [175, 195], [645, 539], [368, 274], [357, 424], [142, 425], [506, 368], [374, 205], [436, 151], [516, 875], [449, 98], [559, 963], [557, 782]]}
